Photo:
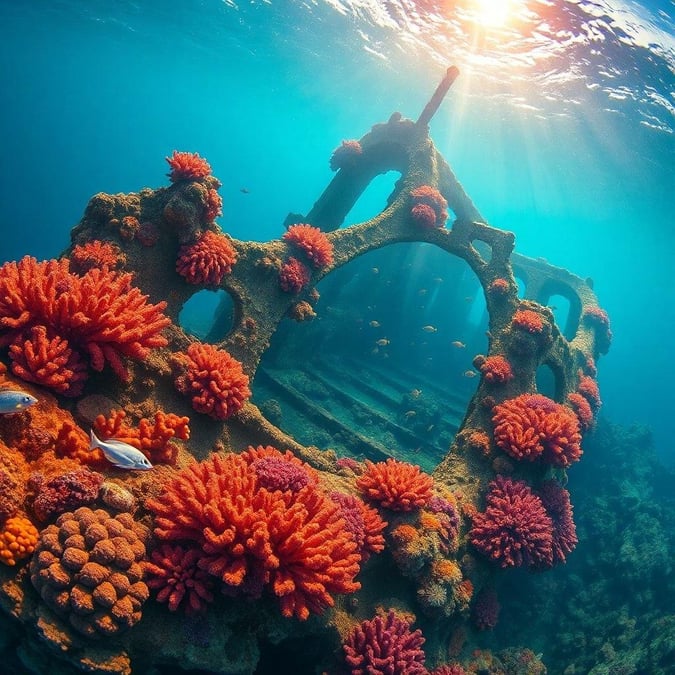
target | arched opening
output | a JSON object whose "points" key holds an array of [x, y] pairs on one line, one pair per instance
{"points": [[374, 199], [560, 306], [522, 286], [385, 369], [208, 315]]}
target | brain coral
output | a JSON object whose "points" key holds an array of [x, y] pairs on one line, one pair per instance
{"points": [[207, 261], [530, 426], [293, 542], [385, 646], [87, 568], [215, 381], [514, 529], [395, 485]]}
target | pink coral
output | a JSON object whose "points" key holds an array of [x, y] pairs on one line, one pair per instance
{"points": [[530, 426], [207, 261], [556, 501], [363, 521], [215, 381], [214, 205], [588, 388], [173, 572], [293, 276], [423, 215], [385, 646], [187, 166], [597, 317], [582, 409], [312, 242], [395, 485], [514, 529], [291, 542]]}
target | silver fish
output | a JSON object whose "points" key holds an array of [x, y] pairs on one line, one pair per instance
{"points": [[120, 454], [14, 401]]}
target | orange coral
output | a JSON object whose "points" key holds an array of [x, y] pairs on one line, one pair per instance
{"points": [[292, 541], [530, 426], [312, 242], [98, 315], [582, 409], [429, 206], [18, 539], [528, 320], [499, 287], [495, 369], [293, 276], [207, 261], [214, 205], [588, 388], [214, 379], [49, 362], [187, 166], [95, 253], [395, 485]]}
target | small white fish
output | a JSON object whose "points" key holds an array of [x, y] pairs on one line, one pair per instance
{"points": [[12, 401], [120, 454]]}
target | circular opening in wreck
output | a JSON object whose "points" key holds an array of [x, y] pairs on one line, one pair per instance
{"points": [[208, 315], [385, 368]]}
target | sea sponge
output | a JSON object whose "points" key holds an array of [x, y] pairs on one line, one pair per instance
{"points": [[18, 538], [87, 568]]}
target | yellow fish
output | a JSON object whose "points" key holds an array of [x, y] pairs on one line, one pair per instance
{"points": [[430, 329]]}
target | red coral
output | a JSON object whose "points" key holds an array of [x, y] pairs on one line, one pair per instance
{"points": [[207, 261], [597, 317], [528, 320], [556, 501], [495, 369], [312, 242], [385, 646], [292, 542], [426, 195], [173, 571], [214, 205], [345, 155], [187, 166], [499, 287], [73, 443], [423, 215], [95, 254], [66, 492], [215, 380], [98, 315], [48, 362], [582, 409], [293, 276], [588, 388], [395, 485], [363, 521], [532, 426], [515, 529]]}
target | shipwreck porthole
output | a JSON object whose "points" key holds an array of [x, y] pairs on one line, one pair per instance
{"points": [[208, 315], [546, 382], [385, 368], [560, 306]]}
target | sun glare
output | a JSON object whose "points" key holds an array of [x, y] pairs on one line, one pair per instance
{"points": [[492, 12]]}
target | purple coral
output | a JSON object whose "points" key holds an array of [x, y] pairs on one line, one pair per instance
{"points": [[556, 501], [66, 492], [277, 473], [385, 646]]}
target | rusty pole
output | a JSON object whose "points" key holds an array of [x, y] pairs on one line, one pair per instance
{"points": [[435, 101]]}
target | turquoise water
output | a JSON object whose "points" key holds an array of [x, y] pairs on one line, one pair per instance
{"points": [[560, 127]]}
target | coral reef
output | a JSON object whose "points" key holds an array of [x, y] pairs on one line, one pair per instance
{"points": [[207, 261]]}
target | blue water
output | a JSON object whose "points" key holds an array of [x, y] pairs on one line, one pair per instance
{"points": [[561, 127]]}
